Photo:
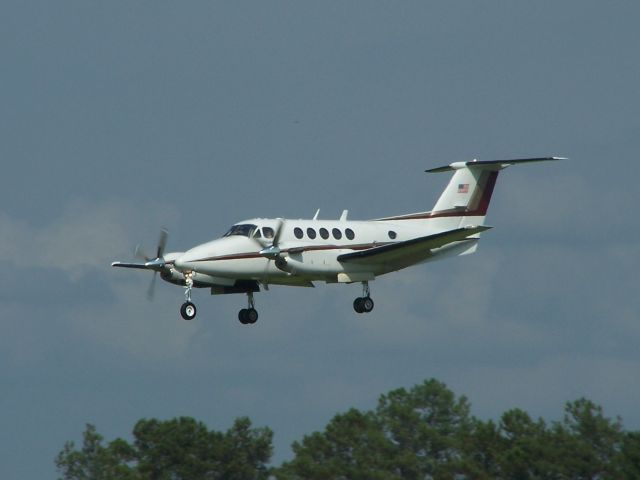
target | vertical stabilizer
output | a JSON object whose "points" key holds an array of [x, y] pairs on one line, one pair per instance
{"points": [[465, 200]]}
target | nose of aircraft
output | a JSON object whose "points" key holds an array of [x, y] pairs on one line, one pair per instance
{"points": [[187, 260], [181, 263], [207, 252]]}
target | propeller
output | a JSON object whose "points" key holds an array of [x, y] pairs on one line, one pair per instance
{"points": [[157, 264], [271, 252]]}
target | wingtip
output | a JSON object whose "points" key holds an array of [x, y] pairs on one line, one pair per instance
{"points": [[481, 228], [446, 168]]}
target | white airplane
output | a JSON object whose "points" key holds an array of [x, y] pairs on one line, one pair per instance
{"points": [[281, 251]]}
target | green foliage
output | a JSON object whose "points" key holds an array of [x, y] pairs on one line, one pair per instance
{"points": [[177, 449], [352, 446], [94, 461], [589, 443], [428, 433], [424, 433], [411, 434]]}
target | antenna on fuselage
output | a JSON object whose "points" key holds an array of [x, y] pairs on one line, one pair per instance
{"points": [[343, 217], [315, 217]]}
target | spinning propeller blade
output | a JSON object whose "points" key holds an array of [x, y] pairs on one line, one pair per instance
{"points": [[151, 292], [158, 263], [162, 242], [141, 254], [273, 250]]}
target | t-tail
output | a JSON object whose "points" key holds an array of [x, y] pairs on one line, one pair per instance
{"points": [[465, 201]]}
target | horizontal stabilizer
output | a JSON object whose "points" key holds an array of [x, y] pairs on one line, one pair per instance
{"points": [[410, 249], [499, 164]]}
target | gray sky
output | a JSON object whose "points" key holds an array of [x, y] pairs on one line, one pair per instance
{"points": [[121, 117]]}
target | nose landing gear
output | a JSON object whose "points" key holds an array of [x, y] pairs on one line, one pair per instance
{"points": [[188, 309], [363, 304]]}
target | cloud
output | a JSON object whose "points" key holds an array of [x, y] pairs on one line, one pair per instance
{"points": [[59, 274], [85, 236]]}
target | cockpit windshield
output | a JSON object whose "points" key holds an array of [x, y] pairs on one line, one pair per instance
{"points": [[244, 230]]}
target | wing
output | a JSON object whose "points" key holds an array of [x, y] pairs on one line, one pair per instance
{"points": [[141, 266], [411, 251]]}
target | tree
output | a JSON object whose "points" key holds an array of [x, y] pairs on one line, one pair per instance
{"points": [[424, 433], [177, 449], [527, 450], [94, 461], [480, 449], [630, 462], [426, 426], [589, 443], [353, 446], [411, 434]]}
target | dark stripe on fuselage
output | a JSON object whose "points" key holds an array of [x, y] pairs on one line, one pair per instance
{"points": [[241, 256]]}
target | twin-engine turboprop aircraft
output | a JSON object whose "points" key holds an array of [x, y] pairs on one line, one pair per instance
{"points": [[280, 251]]}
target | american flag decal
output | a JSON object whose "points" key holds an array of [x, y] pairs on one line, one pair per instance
{"points": [[463, 188]]}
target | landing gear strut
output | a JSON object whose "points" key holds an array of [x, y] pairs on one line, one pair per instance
{"points": [[248, 316], [188, 309], [363, 304]]}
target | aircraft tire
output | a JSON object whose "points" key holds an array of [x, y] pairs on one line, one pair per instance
{"points": [[358, 305], [188, 311], [248, 316], [252, 316], [367, 304]]}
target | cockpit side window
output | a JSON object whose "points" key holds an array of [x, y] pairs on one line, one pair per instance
{"points": [[244, 230], [268, 232]]}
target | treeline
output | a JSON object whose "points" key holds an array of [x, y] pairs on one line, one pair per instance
{"points": [[421, 433]]}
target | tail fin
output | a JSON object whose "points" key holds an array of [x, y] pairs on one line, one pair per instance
{"points": [[466, 198]]}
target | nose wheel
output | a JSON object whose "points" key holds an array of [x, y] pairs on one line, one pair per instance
{"points": [[364, 304], [188, 311]]}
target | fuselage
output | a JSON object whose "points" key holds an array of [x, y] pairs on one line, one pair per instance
{"points": [[311, 249]]}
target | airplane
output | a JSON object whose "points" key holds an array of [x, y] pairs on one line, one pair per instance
{"points": [[278, 251]]}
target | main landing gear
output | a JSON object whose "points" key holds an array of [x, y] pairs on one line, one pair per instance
{"points": [[248, 316], [363, 304]]}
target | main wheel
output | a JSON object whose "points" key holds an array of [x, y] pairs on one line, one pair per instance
{"points": [[188, 311], [367, 304], [358, 305], [252, 315], [248, 316]]}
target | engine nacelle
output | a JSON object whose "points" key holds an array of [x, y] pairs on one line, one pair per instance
{"points": [[286, 265], [173, 276], [297, 267]]}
